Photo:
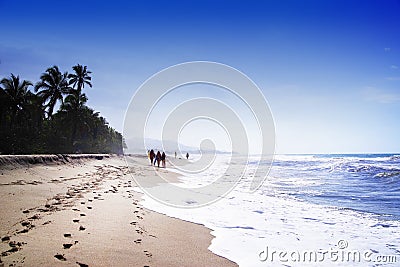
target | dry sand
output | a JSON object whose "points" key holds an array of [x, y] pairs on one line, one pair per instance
{"points": [[85, 212]]}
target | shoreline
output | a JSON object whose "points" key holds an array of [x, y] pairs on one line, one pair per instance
{"points": [[65, 214]]}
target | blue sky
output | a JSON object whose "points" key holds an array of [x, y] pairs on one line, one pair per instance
{"points": [[330, 70]]}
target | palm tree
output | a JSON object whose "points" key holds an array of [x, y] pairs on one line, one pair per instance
{"points": [[74, 101], [78, 81], [80, 77], [16, 94], [4, 107], [74, 104], [54, 85], [15, 97], [35, 111]]}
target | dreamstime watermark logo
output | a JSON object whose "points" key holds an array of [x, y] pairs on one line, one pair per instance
{"points": [[230, 109], [338, 254]]}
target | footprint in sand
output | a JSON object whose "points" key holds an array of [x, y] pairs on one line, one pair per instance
{"points": [[34, 217], [23, 231], [89, 208], [25, 223], [60, 257], [67, 235], [82, 228], [148, 254], [75, 220], [5, 238], [10, 251], [67, 246], [16, 244], [82, 264], [138, 241], [83, 214]]}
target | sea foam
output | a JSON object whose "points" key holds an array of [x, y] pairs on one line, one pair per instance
{"points": [[293, 230]]}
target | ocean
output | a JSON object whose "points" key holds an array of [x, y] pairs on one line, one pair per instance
{"points": [[319, 210]]}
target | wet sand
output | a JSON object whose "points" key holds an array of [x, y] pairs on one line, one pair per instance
{"points": [[85, 212]]}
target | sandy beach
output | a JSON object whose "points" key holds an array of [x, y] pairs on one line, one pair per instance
{"points": [[85, 212]]}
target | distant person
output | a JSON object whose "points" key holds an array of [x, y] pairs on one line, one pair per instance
{"points": [[151, 156], [163, 159], [175, 154], [158, 159], [187, 155]]}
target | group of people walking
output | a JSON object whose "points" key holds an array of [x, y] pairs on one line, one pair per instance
{"points": [[159, 157]]}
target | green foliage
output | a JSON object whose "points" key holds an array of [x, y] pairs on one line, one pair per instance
{"points": [[53, 85], [28, 125]]}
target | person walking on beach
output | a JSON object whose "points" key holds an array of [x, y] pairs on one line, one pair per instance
{"points": [[163, 159], [158, 158], [175, 154], [187, 155], [151, 156]]}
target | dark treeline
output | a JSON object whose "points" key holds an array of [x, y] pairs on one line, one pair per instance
{"points": [[28, 124]]}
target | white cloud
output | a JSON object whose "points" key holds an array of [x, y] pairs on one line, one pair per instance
{"points": [[380, 96], [393, 78], [387, 49], [394, 67]]}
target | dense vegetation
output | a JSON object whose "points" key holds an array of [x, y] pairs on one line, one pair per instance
{"points": [[28, 124]]}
